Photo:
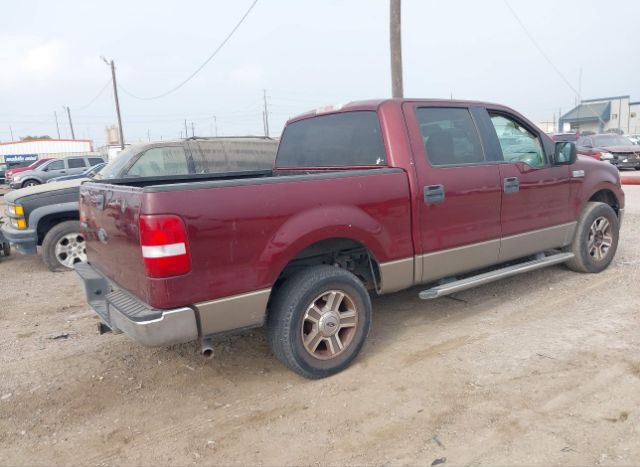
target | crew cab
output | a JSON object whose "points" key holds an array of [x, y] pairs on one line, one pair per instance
{"points": [[369, 198], [47, 216]]}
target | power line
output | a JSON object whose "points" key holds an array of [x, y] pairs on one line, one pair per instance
{"points": [[555, 68], [104, 88], [192, 75]]}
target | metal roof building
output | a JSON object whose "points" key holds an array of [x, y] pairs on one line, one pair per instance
{"points": [[607, 113], [36, 149]]}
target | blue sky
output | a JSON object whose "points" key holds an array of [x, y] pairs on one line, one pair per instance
{"points": [[305, 53]]}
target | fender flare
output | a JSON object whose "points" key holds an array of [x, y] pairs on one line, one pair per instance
{"points": [[309, 227], [37, 214]]}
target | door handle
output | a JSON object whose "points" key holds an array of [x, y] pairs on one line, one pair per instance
{"points": [[434, 194], [511, 185]]}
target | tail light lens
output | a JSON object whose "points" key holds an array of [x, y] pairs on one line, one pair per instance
{"points": [[596, 155], [165, 247]]}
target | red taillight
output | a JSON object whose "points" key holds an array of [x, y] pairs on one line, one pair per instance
{"points": [[596, 155], [165, 247]]}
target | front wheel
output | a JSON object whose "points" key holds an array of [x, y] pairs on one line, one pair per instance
{"points": [[596, 238], [64, 246], [318, 321], [30, 183]]}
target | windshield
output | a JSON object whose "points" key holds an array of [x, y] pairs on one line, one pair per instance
{"points": [[114, 168], [610, 140], [44, 165]]}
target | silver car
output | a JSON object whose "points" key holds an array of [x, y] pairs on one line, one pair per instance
{"points": [[55, 168]]}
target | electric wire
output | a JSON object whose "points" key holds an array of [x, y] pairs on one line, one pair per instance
{"points": [[192, 75], [549, 61], [81, 108]]}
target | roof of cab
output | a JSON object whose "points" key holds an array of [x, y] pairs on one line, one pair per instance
{"points": [[374, 104]]}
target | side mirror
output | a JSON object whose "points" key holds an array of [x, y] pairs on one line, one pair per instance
{"points": [[565, 153]]}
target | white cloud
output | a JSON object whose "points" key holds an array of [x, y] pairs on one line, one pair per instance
{"points": [[27, 60]]}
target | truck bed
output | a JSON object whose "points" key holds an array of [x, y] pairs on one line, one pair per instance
{"points": [[242, 228]]}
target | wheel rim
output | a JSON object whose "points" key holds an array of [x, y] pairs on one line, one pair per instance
{"points": [[71, 249], [600, 238], [329, 324], [31, 184]]}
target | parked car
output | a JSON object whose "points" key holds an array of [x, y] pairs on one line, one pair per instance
{"points": [[3, 170], [610, 147], [47, 215], [23, 168], [369, 198], [89, 173], [72, 165]]}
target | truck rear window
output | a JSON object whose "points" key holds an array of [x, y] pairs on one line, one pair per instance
{"points": [[336, 140]]}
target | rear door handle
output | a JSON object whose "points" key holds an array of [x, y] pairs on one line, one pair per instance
{"points": [[434, 194], [511, 185]]}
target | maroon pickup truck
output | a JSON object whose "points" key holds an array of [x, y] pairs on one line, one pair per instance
{"points": [[369, 198]]}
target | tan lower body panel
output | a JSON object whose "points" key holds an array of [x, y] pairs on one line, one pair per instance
{"points": [[517, 246], [456, 260], [396, 275], [235, 312], [403, 273]]}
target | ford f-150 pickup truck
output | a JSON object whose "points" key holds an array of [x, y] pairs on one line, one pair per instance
{"points": [[368, 198]]}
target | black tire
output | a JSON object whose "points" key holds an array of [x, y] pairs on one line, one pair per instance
{"points": [[31, 182], [584, 260], [287, 321], [57, 234]]}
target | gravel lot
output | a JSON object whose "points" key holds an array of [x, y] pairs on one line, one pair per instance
{"points": [[543, 368]]}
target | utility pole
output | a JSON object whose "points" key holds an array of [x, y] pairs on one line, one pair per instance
{"points": [[73, 135], [115, 96], [186, 132], [215, 125], [395, 42], [11, 131], [55, 114], [193, 130], [266, 113], [148, 135]]}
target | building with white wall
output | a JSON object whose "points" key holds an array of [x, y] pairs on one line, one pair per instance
{"points": [[37, 149], [599, 115]]}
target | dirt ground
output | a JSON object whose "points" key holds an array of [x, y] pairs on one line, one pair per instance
{"points": [[538, 369]]}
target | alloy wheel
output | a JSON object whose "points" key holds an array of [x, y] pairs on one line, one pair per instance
{"points": [[71, 249], [329, 324]]}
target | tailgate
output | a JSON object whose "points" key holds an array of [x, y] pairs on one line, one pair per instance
{"points": [[109, 218]]}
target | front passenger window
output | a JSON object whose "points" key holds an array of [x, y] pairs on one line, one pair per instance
{"points": [[518, 144]]}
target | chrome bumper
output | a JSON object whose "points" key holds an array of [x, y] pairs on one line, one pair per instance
{"points": [[122, 312]]}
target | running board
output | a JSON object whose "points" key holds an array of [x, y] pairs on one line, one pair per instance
{"points": [[485, 278]]}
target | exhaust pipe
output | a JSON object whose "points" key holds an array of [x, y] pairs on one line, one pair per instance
{"points": [[206, 347]]}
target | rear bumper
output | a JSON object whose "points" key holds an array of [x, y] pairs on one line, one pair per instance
{"points": [[122, 312], [25, 241]]}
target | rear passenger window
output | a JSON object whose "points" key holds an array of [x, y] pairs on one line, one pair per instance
{"points": [[76, 163], [518, 144], [95, 161], [157, 162], [337, 140], [234, 155], [450, 136]]}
